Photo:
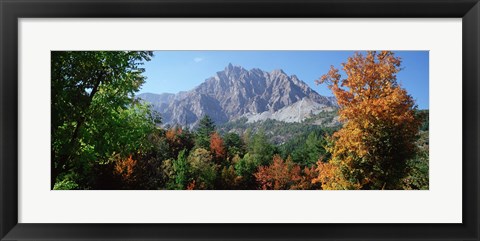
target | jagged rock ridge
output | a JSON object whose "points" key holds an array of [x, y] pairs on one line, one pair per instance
{"points": [[236, 92]]}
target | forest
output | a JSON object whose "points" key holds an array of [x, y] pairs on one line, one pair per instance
{"points": [[104, 138]]}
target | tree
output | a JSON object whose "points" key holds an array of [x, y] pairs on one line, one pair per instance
{"points": [[314, 145], [245, 168], [205, 128], [234, 144], [309, 150], [217, 148], [92, 99], [167, 173], [260, 149], [331, 178], [380, 125], [306, 179], [228, 178], [180, 169], [178, 139], [155, 163], [202, 169], [418, 167], [125, 168], [280, 175]]}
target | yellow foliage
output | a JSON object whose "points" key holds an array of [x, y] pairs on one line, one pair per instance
{"points": [[379, 128]]}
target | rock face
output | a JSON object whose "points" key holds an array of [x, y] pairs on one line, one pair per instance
{"points": [[236, 92]]}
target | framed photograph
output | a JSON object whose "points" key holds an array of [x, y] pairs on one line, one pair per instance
{"points": [[254, 120]]}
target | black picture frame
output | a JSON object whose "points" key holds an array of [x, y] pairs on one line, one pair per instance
{"points": [[12, 10]]}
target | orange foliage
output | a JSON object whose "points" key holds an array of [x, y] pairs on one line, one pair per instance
{"points": [[379, 129], [174, 141], [280, 175], [217, 148], [125, 168], [191, 185], [329, 176], [172, 135], [306, 180]]}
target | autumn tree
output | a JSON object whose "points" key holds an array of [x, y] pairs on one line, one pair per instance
{"points": [[330, 177], [280, 175], [174, 142], [178, 139], [380, 125], [305, 181], [124, 168], [217, 148]]}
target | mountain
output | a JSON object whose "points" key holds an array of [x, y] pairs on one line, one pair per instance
{"points": [[236, 92], [159, 101]]}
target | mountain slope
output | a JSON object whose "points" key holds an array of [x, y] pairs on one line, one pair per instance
{"points": [[236, 92]]}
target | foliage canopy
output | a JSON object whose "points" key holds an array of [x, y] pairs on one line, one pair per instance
{"points": [[380, 126]]}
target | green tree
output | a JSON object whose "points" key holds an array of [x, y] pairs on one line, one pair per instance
{"points": [[228, 178], [245, 168], [205, 128], [92, 105], [314, 145], [423, 115], [234, 144], [260, 153], [418, 167], [202, 169], [180, 170], [260, 149]]}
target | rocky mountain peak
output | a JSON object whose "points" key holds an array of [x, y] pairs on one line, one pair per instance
{"points": [[234, 69], [277, 72], [236, 92]]}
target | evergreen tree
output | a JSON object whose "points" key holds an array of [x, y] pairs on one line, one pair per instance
{"points": [[180, 168], [234, 144], [205, 128], [314, 147], [261, 149]]}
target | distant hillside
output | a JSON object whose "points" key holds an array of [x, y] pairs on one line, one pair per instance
{"points": [[280, 132]]}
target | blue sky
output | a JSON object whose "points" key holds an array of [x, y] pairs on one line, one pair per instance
{"points": [[174, 71]]}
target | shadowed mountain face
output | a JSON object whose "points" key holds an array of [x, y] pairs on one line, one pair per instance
{"points": [[236, 92]]}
